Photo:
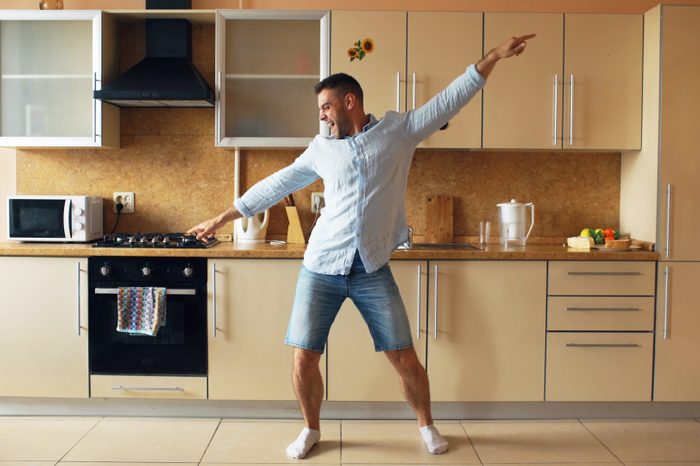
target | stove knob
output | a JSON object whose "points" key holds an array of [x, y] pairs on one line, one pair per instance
{"points": [[105, 270], [188, 271], [146, 271]]}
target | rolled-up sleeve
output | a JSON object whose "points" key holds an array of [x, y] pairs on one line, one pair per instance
{"points": [[269, 191], [426, 119]]}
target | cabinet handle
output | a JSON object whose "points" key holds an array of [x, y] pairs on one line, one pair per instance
{"points": [[555, 111], [571, 111], [413, 99], [605, 273], [217, 121], [122, 388], [602, 345], [420, 276], [436, 304], [213, 308], [625, 309], [398, 91], [668, 220], [666, 273], [77, 279]]}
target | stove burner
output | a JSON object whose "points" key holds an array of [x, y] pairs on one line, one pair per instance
{"points": [[153, 240]]}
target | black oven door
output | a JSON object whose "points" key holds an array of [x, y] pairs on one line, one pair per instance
{"points": [[179, 347]]}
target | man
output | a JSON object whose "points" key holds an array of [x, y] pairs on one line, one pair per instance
{"points": [[364, 166]]}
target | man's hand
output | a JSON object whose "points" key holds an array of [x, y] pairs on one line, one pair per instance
{"points": [[207, 228], [512, 47]]}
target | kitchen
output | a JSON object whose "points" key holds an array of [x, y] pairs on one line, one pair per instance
{"points": [[177, 145]]}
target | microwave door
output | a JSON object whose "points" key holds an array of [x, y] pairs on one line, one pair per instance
{"points": [[67, 223]]}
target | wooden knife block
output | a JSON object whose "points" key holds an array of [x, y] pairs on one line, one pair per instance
{"points": [[439, 214], [295, 235]]}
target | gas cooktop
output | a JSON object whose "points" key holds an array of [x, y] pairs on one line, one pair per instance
{"points": [[153, 240]]}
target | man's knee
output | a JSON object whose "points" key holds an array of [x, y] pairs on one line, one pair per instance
{"points": [[405, 360], [305, 360]]}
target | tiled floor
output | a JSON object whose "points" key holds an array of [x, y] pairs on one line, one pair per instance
{"points": [[119, 441]]}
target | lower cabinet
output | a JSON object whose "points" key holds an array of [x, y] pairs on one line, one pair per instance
{"points": [[249, 305], [677, 366], [355, 371], [486, 330], [600, 341], [43, 336]]}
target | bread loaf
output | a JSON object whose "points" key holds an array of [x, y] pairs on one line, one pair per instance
{"points": [[580, 242], [617, 243]]}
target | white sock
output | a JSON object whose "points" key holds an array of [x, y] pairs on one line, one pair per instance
{"points": [[434, 442], [301, 446]]}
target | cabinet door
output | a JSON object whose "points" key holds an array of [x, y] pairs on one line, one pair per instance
{"points": [[50, 64], [267, 66], [486, 330], [382, 72], [440, 46], [355, 371], [43, 339], [677, 368], [603, 76], [680, 149], [249, 305], [523, 99]]}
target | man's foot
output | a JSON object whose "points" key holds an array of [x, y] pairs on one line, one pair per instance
{"points": [[434, 442], [301, 446]]}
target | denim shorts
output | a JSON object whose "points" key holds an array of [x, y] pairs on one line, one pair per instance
{"points": [[319, 297]]}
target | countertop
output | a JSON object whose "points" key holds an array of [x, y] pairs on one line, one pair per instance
{"points": [[296, 251]]}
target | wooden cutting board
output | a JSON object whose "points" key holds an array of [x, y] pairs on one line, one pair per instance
{"points": [[438, 219]]}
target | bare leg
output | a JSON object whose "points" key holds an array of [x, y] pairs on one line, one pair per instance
{"points": [[416, 390], [308, 386], [414, 382]]}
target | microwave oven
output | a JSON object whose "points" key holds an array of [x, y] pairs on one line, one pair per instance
{"points": [[74, 219]]}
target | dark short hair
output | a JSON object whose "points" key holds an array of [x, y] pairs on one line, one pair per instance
{"points": [[341, 82]]}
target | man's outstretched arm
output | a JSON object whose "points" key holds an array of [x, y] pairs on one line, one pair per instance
{"points": [[513, 46]]}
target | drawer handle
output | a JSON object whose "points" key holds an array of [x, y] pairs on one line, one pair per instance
{"points": [[625, 309], [602, 345], [605, 273], [122, 388]]}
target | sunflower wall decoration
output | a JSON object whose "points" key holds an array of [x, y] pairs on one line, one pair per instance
{"points": [[360, 49]]}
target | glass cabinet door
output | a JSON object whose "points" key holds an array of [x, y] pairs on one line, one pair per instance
{"points": [[48, 71], [268, 64]]}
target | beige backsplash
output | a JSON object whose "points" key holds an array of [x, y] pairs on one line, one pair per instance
{"points": [[168, 159]]}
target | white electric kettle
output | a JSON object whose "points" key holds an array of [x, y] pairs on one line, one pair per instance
{"points": [[252, 229], [512, 219]]}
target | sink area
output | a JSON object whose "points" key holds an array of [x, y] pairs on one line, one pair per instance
{"points": [[439, 246]]}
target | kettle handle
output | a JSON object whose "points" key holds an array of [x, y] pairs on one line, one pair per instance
{"points": [[532, 218]]}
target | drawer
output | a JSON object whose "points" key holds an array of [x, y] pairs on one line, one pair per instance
{"points": [[123, 386], [599, 366], [603, 278], [630, 313]]}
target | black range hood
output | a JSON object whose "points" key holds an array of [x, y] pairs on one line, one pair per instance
{"points": [[166, 77]]}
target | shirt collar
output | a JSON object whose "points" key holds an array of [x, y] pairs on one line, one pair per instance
{"points": [[372, 121]]}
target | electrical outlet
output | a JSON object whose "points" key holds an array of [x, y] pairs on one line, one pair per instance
{"points": [[317, 202], [125, 198]]}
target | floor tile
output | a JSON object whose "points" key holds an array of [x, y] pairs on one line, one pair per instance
{"points": [[25, 463], [665, 463], [19, 434], [535, 442], [258, 441], [111, 463], [146, 440], [649, 440], [392, 442]]}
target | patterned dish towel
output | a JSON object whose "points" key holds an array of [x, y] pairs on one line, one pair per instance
{"points": [[140, 310]]}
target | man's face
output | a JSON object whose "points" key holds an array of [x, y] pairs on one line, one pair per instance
{"points": [[333, 111]]}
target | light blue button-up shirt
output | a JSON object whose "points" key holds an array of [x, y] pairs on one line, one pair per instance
{"points": [[365, 178]]}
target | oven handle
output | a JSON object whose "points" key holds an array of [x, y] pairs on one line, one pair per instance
{"points": [[171, 291]]}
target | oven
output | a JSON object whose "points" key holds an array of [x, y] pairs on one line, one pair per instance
{"points": [[180, 345]]}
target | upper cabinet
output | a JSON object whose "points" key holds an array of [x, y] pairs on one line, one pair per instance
{"points": [[50, 64], [267, 63], [413, 56], [578, 86]]}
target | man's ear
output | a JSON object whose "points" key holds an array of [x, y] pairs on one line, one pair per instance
{"points": [[350, 101]]}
